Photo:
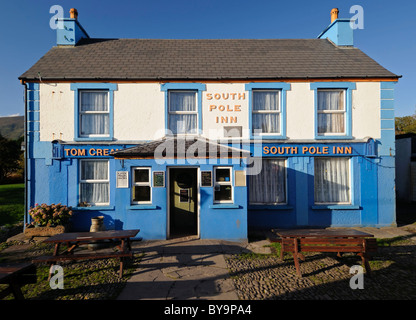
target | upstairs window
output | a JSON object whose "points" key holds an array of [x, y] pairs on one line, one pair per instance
{"points": [[266, 112], [331, 112], [94, 114], [183, 112]]}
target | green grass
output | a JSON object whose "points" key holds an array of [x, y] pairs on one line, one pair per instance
{"points": [[12, 204]]}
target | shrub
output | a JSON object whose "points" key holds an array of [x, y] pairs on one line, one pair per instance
{"points": [[50, 215]]}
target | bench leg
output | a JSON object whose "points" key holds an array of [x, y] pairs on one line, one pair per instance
{"points": [[296, 257], [121, 267], [364, 259], [17, 292]]}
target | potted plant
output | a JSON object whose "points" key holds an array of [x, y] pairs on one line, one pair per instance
{"points": [[48, 220]]}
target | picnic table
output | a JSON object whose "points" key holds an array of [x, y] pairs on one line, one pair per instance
{"points": [[73, 240], [326, 240], [16, 275]]}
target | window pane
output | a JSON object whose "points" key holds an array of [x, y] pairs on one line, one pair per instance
{"points": [[222, 175], [267, 123], [94, 124], [265, 100], [223, 194], [331, 100], [141, 193], [182, 101], [182, 123], [94, 193], [331, 123], [141, 175], [94, 170], [332, 180], [94, 101], [269, 186]]}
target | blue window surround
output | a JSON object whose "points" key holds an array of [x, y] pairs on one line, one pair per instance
{"points": [[183, 86], [111, 87], [347, 86], [283, 87]]}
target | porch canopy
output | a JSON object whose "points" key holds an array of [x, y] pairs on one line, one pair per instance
{"points": [[180, 147]]}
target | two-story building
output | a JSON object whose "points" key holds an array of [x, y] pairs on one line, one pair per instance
{"points": [[211, 137]]}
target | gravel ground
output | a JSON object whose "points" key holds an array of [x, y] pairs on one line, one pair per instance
{"points": [[325, 276]]}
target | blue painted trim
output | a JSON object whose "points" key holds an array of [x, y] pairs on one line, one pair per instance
{"points": [[111, 87], [387, 123], [224, 206], [283, 87], [387, 94], [335, 207], [347, 86], [387, 84], [96, 208], [143, 207], [183, 86], [270, 207]]}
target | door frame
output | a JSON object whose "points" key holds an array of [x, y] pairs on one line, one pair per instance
{"points": [[168, 236]]}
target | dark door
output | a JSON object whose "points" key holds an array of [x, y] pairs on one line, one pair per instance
{"points": [[183, 201]]}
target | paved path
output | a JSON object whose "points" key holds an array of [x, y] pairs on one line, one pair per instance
{"points": [[182, 269]]}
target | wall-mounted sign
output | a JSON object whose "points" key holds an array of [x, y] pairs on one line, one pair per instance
{"points": [[88, 152], [309, 149], [206, 178], [122, 180], [226, 105], [158, 178]]}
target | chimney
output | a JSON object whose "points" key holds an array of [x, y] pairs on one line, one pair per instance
{"points": [[339, 31], [73, 13], [334, 14], [71, 31]]}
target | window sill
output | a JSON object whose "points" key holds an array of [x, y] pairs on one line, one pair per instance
{"points": [[345, 137], [335, 207], [224, 206], [93, 208], [266, 137], [94, 139], [269, 207], [142, 207]]}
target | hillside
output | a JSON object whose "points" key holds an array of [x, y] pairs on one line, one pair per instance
{"points": [[12, 127]]}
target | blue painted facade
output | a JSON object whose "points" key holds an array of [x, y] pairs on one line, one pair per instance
{"points": [[53, 177]]}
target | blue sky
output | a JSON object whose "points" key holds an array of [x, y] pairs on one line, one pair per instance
{"points": [[389, 34]]}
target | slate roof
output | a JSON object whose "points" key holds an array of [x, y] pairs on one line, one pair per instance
{"points": [[180, 148], [222, 59]]}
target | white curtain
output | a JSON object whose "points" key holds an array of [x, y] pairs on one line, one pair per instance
{"points": [[266, 101], [331, 122], [269, 186], [332, 183], [182, 112], [93, 190], [94, 113]]}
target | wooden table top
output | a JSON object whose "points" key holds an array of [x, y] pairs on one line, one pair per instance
{"points": [[92, 236], [294, 233]]}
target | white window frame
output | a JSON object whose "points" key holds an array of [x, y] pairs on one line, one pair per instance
{"points": [[195, 92], [80, 113], [349, 184], [286, 188], [344, 112], [278, 111], [144, 184], [107, 181], [224, 183]]}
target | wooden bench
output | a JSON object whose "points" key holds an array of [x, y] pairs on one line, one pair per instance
{"points": [[16, 275], [327, 241], [92, 256]]}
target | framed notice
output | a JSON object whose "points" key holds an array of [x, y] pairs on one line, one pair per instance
{"points": [[122, 179], [206, 178], [158, 178], [184, 195]]}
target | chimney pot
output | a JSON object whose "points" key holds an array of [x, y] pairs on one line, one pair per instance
{"points": [[334, 14], [73, 13]]}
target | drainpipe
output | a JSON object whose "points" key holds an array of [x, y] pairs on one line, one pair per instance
{"points": [[25, 216]]}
